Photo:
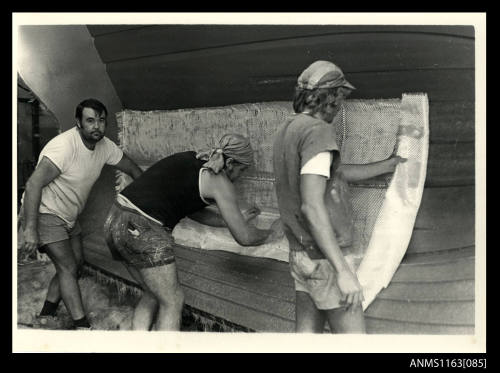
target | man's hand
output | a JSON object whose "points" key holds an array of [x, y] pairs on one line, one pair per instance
{"points": [[129, 167], [250, 213], [410, 131], [276, 231], [31, 240], [351, 289], [263, 236], [393, 161]]}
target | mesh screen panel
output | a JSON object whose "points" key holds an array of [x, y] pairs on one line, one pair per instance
{"points": [[366, 132]]}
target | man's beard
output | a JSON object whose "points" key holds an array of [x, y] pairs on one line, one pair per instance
{"points": [[94, 137]]}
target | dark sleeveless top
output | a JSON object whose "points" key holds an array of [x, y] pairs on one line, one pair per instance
{"points": [[169, 189]]}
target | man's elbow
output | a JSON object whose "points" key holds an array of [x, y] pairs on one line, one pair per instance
{"points": [[136, 169], [31, 185], [136, 172], [132, 170], [244, 240], [247, 238], [308, 211], [342, 172]]}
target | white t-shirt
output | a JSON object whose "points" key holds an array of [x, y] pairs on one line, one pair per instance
{"points": [[66, 195], [318, 165]]}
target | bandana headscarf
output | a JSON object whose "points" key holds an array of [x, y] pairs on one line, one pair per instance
{"points": [[322, 74], [232, 146]]}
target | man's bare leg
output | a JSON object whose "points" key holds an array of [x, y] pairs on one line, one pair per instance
{"points": [[308, 319], [163, 283], [53, 292], [66, 265], [145, 310], [345, 321]]}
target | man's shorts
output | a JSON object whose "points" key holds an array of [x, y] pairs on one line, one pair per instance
{"points": [[137, 240], [52, 228], [316, 277]]}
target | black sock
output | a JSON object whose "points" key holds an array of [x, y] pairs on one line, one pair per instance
{"points": [[82, 323], [49, 308]]}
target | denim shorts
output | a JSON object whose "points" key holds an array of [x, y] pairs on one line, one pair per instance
{"points": [[51, 228], [137, 240], [316, 277]]}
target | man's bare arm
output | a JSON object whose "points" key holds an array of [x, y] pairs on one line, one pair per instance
{"points": [[220, 189], [45, 172], [357, 172], [312, 189], [212, 217], [129, 167]]}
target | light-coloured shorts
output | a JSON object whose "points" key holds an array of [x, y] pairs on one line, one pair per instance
{"points": [[316, 277], [52, 228]]}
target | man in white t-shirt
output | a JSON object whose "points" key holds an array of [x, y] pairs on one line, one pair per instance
{"points": [[55, 195]]}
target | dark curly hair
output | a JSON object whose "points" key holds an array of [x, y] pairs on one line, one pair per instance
{"points": [[92, 103], [314, 100]]}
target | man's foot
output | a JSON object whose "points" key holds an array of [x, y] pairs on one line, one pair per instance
{"points": [[82, 324], [84, 328], [48, 322], [49, 308]]}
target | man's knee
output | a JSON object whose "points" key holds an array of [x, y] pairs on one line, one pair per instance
{"points": [[64, 259], [180, 296], [68, 269], [149, 298], [172, 299], [309, 323], [347, 320]]}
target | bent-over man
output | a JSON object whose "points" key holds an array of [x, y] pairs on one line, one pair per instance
{"points": [[140, 223]]}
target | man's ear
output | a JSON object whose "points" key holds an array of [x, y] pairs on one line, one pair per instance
{"points": [[229, 163], [311, 98], [78, 124], [338, 100], [341, 94]]}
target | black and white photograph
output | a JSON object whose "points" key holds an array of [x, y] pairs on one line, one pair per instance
{"points": [[187, 178]]}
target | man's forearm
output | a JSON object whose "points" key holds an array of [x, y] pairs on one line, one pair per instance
{"points": [[256, 236], [208, 217], [31, 204], [136, 172], [357, 172], [128, 166]]}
